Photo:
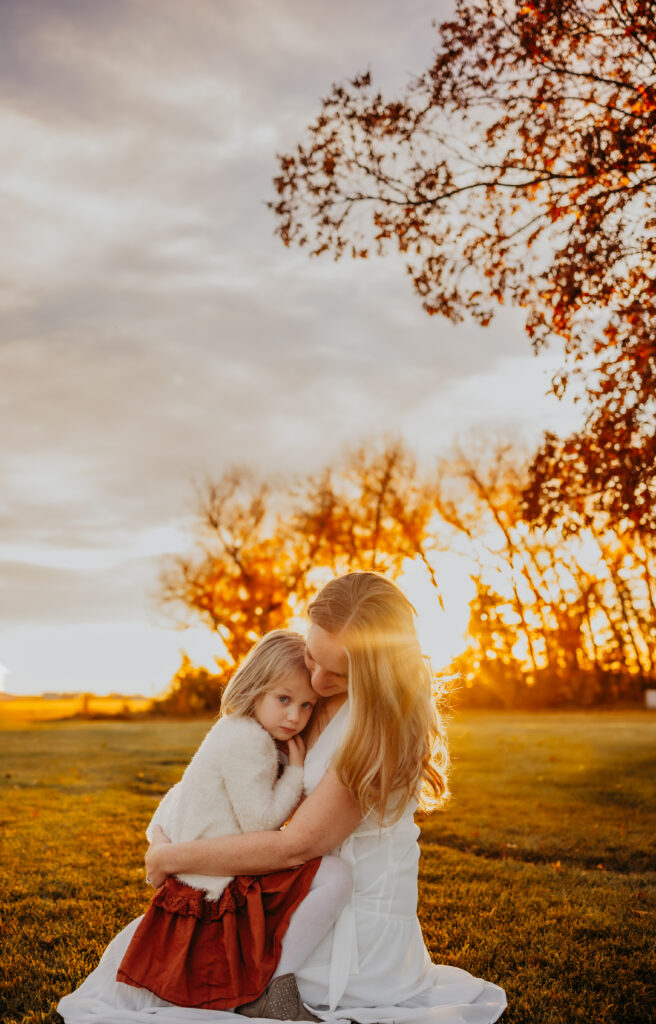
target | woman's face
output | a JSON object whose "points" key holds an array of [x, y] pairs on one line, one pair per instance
{"points": [[285, 709], [327, 662]]}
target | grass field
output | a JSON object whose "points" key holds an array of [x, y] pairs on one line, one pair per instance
{"points": [[539, 874], [20, 710]]}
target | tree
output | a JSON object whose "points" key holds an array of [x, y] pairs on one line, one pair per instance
{"points": [[246, 575], [555, 618], [262, 550], [372, 510], [193, 690], [521, 167]]}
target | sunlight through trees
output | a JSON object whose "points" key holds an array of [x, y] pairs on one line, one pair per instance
{"points": [[556, 618]]}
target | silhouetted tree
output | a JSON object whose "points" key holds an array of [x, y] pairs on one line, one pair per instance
{"points": [[245, 577], [371, 510], [555, 618], [263, 550], [193, 690], [521, 167]]}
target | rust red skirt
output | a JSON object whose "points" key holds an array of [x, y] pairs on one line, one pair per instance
{"points": [[214, 954]]}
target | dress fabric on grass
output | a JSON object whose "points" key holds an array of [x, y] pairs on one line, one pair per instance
{"points": [[372, 967]]}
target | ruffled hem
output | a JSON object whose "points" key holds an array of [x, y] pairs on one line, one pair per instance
{"points": [[185, 901]]}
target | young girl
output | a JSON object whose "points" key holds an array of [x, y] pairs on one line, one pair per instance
{"points": [[214, 942]]}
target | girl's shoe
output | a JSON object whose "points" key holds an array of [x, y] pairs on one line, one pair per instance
{"points": [[280, 1001]]}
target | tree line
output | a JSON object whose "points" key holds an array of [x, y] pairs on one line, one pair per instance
{"points": [[559, 616]]}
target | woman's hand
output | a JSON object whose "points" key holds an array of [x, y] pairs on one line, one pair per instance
{"points": [[155, 874], [296, 751]]}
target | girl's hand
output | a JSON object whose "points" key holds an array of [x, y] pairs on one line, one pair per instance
{"points": [[296, 751], [155, 875]]}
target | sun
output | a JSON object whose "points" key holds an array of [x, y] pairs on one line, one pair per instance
{"points": [[441, 631]]}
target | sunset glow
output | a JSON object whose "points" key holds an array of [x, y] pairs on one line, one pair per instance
{"points": [[441, 631], [156, 333]]}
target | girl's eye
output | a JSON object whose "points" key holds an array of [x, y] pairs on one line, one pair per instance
{"points": [[308, 705], [284, 700]]}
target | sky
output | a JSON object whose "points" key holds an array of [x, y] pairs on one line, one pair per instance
{"points": [[154, 332]]}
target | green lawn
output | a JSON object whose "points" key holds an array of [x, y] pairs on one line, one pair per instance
{"points": [[539, 874]]}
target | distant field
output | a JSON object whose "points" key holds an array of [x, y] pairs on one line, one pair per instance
{"points": [[539, 874], [19, 710]]}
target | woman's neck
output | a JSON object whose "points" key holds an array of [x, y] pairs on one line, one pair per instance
{"points": [[332, 705], [323, 715]]}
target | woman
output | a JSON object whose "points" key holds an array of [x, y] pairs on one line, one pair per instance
{"points": [[370, 751], [375, 744]]}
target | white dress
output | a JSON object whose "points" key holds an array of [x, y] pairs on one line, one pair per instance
{"points": [[371, 967]]}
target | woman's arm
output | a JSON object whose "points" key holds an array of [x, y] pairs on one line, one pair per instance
{"points": [[321, 823]]}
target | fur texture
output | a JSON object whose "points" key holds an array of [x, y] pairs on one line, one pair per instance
{"points": [[230, 785]]}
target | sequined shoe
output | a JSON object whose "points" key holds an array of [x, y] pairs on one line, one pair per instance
{"points": [[280, 1001]]}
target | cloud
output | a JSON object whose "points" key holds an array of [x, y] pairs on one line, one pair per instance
{"points": [[154, 329], [36, 594]]}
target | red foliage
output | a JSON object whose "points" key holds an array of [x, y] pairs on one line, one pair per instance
{"points": [[521, 167]]}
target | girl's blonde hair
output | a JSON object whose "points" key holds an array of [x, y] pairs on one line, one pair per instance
{"points": [[394, 749], [267, 663]]}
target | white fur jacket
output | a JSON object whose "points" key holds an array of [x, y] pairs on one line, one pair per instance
{"points": [[230, 785]]}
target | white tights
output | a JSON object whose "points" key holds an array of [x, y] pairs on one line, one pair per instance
{"points": [[328, 895]]}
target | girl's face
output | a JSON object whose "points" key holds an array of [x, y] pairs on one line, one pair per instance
{"points": [[285, 709], [327, 662]]}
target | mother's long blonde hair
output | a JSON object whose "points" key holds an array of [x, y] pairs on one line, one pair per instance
{"points": [[394, 749]]}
